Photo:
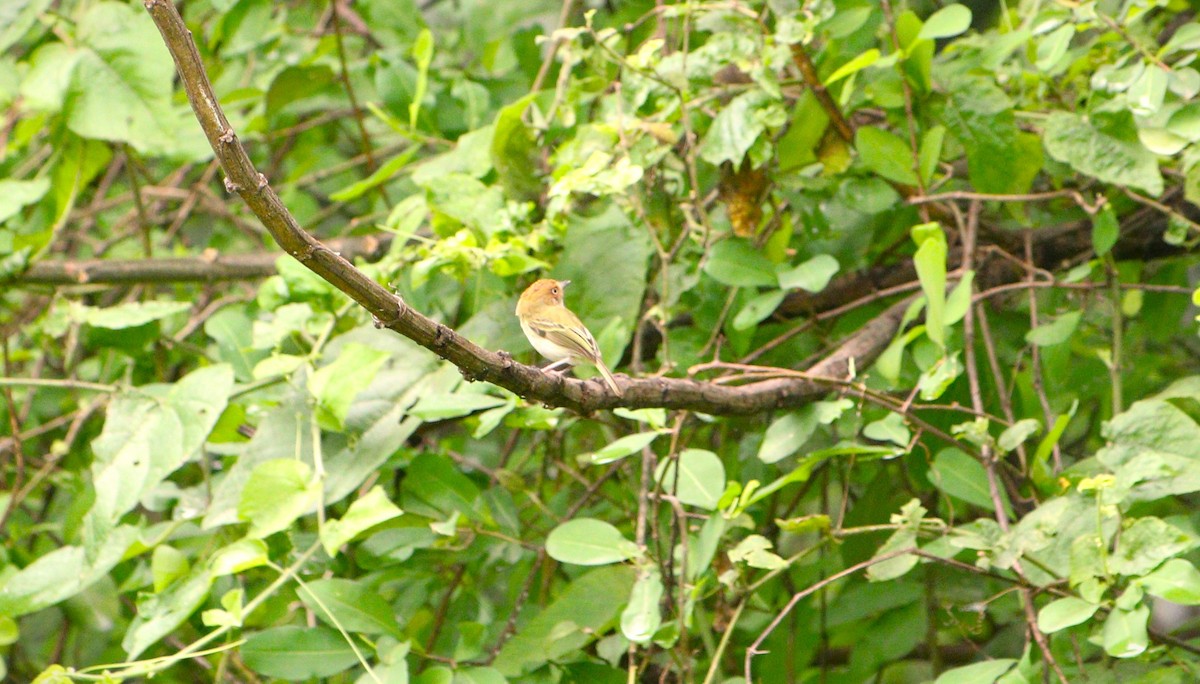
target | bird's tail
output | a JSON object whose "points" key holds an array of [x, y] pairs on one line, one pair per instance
{"points": [[608, 377]]}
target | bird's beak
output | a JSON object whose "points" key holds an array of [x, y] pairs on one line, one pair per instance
{"points": [[564, 283]]}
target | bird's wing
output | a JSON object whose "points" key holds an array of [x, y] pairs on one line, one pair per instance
{"points": [[575, 338]]}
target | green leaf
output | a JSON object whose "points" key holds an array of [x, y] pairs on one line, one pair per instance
{"points": [[350, 605], [700, 481], [629, 444], [1105, 230], [133, 314], [120, 86], [435, 407], [16, 195], [363, 514], [931, 149], [642, 616], [1000, 157], [950, 20], [583, 610], [1146, 543], [586, 541], [1051, 48], [1186, 38], [296, 653], [1125, 632], [147, 436], [62, 573], [886, 154], [755, 551], [514, 153], [1146, 95], [812, 275], [959, 299], [1112, 155], [1065, 612], [1017, 433], [890, 428], [434, 483], [1055, 332], [905, 537], [1177, 581], [381, 175], [238, 556], [278, 492], [930, 261], [757, 309], [985, 672], [958, 475], [735, 262], [167, 564], [788, 433], [735, 129], [160, 614], [335, 385], [422, 53], [862, 61]]}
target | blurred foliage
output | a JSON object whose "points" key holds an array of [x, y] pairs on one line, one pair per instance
{"points": [[246, 480]]}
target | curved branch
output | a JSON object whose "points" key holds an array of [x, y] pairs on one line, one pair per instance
{"points": [[475, 362]]}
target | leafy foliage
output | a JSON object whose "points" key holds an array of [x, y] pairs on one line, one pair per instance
{"points": [[218, 467]]}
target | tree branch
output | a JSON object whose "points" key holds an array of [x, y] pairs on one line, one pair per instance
{"points": [[475, 362]]}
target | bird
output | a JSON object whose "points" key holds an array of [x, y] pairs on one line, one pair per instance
{"points": [[555, 332]]}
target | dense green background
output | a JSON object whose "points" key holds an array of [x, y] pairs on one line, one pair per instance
{"points": [[218, 468]]}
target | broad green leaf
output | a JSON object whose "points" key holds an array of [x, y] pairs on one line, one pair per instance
{"points": [[1124, 632], [335, 385], [297, 653], [62, 573], [1186, 38], [435, 487], [1051, 48], [737, 127], [381, 175], [350, 605], [757, 309], [812, 275], [514, 153], [363, 514], [147, 435], [950, 20], [1055, 332], [1177, 581], [1146, 543], [1146, 95], [862, 61], [167, 564], [629, 444], [1185, 122], [930, 261], [1065, 612], [790, 431], [890, 428], [642, 616], [587, 606], [1000, 157], [16, 195], [1112, 154], [735, 262], [1105, 230], [445, 406], [586, 541], [755, 551], [985, 672], [958, 475], [886, 154], [1015, 435], [238, 556], [959, 299], [696, 477], [160, 614], [133, 314], [278, 492]]}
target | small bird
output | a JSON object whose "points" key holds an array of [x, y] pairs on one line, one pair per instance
{"points": [[555, 332]]}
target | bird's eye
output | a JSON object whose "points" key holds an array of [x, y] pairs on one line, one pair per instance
{"points": [[554, 290]]}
